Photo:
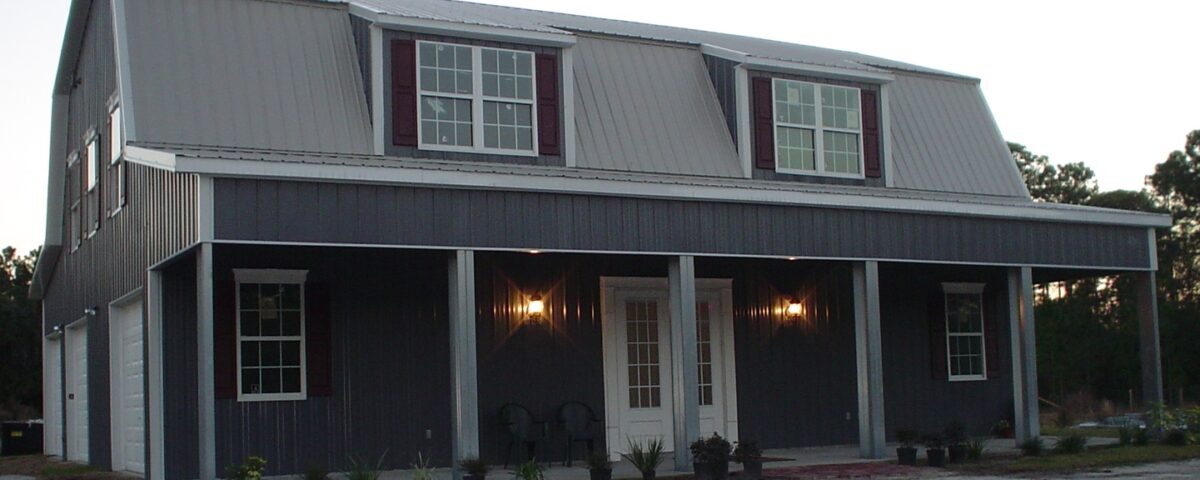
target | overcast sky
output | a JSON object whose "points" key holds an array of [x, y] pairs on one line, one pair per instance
{"points": [[1110, 84]]}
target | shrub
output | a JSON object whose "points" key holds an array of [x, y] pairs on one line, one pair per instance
{"points": [[1033, 447], [1175, 437], [529, 471], [250, 469], [1071, 444], [712, 449], [975, 449], [361, 470], [1141, 437], [747, 451], [474, 466], [645, 458], [599, 461], [907, 438], [1126, 435], [421, 468], [933, 441]]}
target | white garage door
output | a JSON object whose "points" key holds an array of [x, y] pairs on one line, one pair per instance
{"points": [[77, 394], [52, 371], [128, 400]]}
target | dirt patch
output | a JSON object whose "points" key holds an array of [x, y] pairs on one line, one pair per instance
{"points": [[43, 467]]}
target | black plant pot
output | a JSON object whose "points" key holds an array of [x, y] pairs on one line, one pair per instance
{"points": [[600, 473], [936, 456], [646, 475], [957, 453], [906, 455], [752, 469], [711, 470]]}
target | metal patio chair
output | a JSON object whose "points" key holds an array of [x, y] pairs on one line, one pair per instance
{"points": [[523, 430], [577, 420]]}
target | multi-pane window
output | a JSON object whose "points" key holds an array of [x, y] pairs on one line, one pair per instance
{"points": [[476, 98], [92, 174], [641, 331], [818, 128], [270, 323], [704, 353], [116, 168], [964, 332], [74, 230]]}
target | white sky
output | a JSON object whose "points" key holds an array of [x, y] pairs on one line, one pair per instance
{"points": [[1112, 85]]}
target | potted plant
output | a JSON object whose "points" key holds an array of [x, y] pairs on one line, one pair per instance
{"points": [[1003, 429], [710, 457], [645, 458], [599, 467], [475, 468], [906, 453], [955, 436], [935, 452], [749, 455]]}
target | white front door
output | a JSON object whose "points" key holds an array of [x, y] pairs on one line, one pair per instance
{"points": [[637, 358], [77, 393], [128, 401], [643, 337], [52, 367]]}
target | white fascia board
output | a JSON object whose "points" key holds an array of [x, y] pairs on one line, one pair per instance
{"points": [[645, 189], [467, 30], [788, 66], [150, 157]]}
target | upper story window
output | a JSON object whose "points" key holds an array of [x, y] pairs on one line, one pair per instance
{"points": [[965, 343], [476, 99], [92, 151], [818, 129], [270, 325], [116, 168]]}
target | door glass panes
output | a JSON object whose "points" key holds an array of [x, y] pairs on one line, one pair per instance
{"points": [[704, 352], [642, 343], [270, 323]]}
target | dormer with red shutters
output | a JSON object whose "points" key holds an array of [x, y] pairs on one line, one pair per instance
{"points": [[449, 91]]}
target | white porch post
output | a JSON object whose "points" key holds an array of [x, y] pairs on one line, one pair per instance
{"points": [[465, 407], [205, 392], [1147, 308], [1024, 353], [681, 279], [869, 347]]}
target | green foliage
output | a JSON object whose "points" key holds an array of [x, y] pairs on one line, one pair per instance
{"points": [[20, 338], [712, 449], [360, 469], [1068, 183], [250, 469], [1071, 444], [933, 441], [975, 448], [474, 466], [421, 469], [645, 458], [1032, 447], [529, 471], [1126, 435], [1141, 437], [599, 461], [908, 438], [1176, 437]]}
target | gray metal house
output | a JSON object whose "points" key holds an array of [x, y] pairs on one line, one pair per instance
{"points": [[306, 230]]}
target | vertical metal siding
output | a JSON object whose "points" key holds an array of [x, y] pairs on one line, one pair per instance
{"points": [[361, 28], [324, 212], [723, 74], [180, 398]]}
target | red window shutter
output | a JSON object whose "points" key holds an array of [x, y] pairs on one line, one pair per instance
{"points": [[318, 340], [991, 337], [404, 93], [225, 370], [547, 104], [872, 165], [764, 125], [937, 337]]}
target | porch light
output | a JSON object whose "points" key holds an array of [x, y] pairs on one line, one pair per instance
{"points": [[794, 309], [535, 307]]}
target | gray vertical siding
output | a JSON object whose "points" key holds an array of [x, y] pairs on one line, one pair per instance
{"points": [[913, 399], [179, 340], [723, 74], [391, 364], [272, 210], [361, 28]]}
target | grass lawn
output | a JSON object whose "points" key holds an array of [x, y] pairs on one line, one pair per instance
{"points": [[40, 466], [1094, 458], [1052, 431]]}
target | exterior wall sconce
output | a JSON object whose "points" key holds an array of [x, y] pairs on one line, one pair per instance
{"points": [[535, 307], [794, 310]]}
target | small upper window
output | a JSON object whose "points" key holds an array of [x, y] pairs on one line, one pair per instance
{"points": [[93, 162], [818, 129], [116, 135], [964, 331], [270, 322], [476, 99]]}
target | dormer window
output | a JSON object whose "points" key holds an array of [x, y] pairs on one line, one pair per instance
{"points": [[476, 99], [818, 129]]}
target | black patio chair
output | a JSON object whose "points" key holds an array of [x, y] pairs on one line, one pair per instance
{"points": [[523, 430], [577, 420]]}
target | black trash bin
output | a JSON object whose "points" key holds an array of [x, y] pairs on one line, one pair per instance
{"points": [[20, 438]]}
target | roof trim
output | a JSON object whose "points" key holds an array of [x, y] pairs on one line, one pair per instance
{"points": [[468, 30], [543, 179], [789, 66]]}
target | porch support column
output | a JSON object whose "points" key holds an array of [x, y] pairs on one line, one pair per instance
{"points": [[1147, 311], [465, 434], [205, 391], [1024, 354], [681, 277], [869, 346]]}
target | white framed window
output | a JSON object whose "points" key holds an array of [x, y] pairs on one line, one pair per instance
{"points": [[75, 201], [818, 129], [966, 355], [476, 99], [92, 150], [270, 339], [116, 168]]}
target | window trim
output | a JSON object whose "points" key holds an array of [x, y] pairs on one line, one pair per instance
{"points": [[274, 276], [818, 130], [74, 205], [116, 147], [477, 99], [955, 288]]}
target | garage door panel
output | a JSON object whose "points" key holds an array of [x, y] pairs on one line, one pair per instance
{"points": [[129, 393]]}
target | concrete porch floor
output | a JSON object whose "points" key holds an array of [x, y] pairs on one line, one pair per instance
{"points": [[796, 457]]}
